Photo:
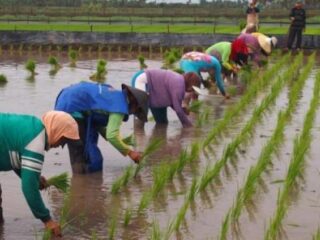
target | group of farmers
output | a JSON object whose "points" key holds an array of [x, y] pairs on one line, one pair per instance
{"points": [[85, 110]]}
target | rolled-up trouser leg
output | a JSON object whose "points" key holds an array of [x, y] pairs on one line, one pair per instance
{"points": [[1, 213], [77, 152]]}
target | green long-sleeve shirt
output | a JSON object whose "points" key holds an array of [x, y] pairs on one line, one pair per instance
{"points": [[113, 133], [22, 146], [224, 48]]}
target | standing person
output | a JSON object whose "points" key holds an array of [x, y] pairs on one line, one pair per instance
{"points": [[297, 25], [198, 62], [23, 141], [167, 88], [253, 14], [230, 54], [100, 109]]}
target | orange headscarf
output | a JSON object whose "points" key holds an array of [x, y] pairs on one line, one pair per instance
{"points": [[59, 124]]}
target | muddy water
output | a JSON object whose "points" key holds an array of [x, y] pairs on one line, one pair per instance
{"points": [[92, 205]]}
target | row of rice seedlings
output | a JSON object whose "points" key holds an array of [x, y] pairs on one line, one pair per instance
{"points": [[244, 195], [273, 143], [229, 152], [258, 85], [101, 72], [165, 172], [129, 172], [300, 148]]}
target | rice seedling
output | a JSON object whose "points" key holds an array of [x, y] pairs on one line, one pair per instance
{"points": [[159, 179], [11, 49], [232, 90], [3, 79], [181, 215], [122, 180], [127, 217], [155, 231], [152, 147], [141, 62], [113, 227], [60, 182], [55, 66], [101, 71], [73, 55], [31, 67], [94, 235], [225, 227], [144, 201], [47, 235]]}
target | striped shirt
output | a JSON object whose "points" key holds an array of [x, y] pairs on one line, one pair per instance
{"points": [[22, 146]]}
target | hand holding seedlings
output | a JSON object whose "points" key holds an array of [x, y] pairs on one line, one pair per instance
{"points": [[43, 183], [135, 156], [54, 227]]}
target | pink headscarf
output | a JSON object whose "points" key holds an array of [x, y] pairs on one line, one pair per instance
{"points": [[59, 124]]}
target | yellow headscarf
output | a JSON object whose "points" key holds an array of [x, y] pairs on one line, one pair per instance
{"points": [[59, 124]]}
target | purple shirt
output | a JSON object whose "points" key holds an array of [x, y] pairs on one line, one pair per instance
{"points": [[252, 44], [166, 89]]}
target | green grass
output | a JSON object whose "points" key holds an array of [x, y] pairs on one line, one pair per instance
{"points": [[143, 28]]}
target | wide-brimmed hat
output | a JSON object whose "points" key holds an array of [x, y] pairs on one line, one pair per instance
{"points": [[266, 43], [141, 99]]}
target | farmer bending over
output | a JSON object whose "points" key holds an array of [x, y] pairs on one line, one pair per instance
{"points": [[99, 108], [198, 62], [23, 140], [167, 88], [230, 54]]}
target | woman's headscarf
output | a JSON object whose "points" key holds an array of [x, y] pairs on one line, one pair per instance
{"points": [[239, 51], [60, 124]]}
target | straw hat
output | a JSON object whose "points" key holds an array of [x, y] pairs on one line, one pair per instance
{"points": [[141, 99], [266, 43]]}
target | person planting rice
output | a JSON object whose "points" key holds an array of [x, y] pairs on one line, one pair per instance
{"points": [[99, 108], [167, 88], [23, 140], [258, 45], [198, 62], [230, 54]]}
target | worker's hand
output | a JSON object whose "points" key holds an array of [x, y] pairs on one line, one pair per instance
{"points": [[226, 96], [235, 69], [135, 156], [54, 227], [186, 110], [43, 183]]}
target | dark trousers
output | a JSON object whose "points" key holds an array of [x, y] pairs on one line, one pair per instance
{"points": [[294, 33], [85, 157], [160, 115]]}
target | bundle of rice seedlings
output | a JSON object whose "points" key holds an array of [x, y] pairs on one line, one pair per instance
{"points": [[61, 182], [31, 67], [195, 106]]}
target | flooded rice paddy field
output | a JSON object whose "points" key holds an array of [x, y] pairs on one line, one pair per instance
{"points": [[200, 199]]}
